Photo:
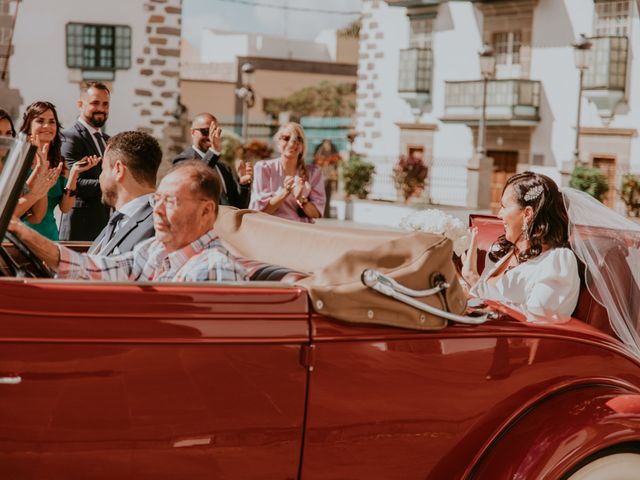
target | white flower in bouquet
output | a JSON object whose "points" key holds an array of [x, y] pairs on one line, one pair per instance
{"points": [[436, 221]]}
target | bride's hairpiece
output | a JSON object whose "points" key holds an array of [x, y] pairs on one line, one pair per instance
{"points": [[533, 193]]}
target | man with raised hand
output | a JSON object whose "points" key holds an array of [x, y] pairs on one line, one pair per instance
{"points": [[205, 137]]}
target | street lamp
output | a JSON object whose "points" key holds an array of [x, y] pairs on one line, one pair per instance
{"points": [[245, 93], [487, 67], [581, 51]]}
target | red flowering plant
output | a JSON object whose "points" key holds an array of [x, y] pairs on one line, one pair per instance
{"points": [[410, 175]]}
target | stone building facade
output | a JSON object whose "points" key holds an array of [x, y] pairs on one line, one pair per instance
{"points": [[133, 46], [420, 92]]}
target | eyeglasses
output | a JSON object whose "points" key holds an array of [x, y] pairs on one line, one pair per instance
{"points": [[170, 201], [287, 138], [203, 131]]}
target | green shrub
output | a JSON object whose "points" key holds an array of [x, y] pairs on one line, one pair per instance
{"points": [[590, 180], [357, 175], [630, 193], [230, 147]]}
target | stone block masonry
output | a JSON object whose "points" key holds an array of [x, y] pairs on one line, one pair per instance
{"points": [[157, 89]]}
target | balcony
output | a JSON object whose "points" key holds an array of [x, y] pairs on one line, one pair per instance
{"points": [[509, 102], [414, 81], [606, 78]]}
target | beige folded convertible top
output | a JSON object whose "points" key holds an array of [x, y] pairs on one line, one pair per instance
{"points": [[335, 257]]}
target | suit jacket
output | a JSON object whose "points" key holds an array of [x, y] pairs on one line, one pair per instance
{"points": [[236, 195], [137, 228], [89, 215]]}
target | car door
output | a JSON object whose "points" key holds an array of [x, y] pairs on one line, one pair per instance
{"points": [[150, 381]]}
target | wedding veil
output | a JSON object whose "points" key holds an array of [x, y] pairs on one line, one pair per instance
{"points": [[609, 246]]}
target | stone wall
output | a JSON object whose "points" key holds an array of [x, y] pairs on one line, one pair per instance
{"points": [[368, 122], [157, 96]]}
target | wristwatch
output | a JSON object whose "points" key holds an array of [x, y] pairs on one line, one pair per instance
{"points": [[71, 193]]}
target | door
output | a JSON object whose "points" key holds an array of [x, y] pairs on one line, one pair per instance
{"points": [[151, 381], [505, 164], [608, 167]]}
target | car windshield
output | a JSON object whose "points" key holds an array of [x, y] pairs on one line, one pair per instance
{"points": [[16, 155]]}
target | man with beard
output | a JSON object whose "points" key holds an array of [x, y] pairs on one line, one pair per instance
{"points": [[128, 179], [205, 137], [88, 216]]}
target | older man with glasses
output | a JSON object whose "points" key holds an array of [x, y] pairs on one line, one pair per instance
{"points": [[185, 247], [205, 136]]}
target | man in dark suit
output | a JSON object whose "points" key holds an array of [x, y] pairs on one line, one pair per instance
{"points": [[205, 136], [129, 170], [85, 137]]}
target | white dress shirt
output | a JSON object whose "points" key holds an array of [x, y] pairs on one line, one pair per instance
{"points": [[92, 131]]}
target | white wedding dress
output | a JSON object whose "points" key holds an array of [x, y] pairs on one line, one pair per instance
{"points": [[544, 288]]}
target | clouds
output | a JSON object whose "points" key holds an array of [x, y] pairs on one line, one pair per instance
{"points": [[223, 15]]}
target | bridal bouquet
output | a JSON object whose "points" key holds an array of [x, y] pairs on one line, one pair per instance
{"points": [[436, 221]]}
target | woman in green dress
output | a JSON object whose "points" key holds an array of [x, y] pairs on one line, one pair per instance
{"points": [[40, 122]]}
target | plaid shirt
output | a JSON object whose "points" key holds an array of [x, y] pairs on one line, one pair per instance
{"points": [[203, 260]]}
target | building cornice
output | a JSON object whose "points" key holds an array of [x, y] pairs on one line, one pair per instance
{"points": [[417, 126], [305, 66], [611, 132], [413, 3]]}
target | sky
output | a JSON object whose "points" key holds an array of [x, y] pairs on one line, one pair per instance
{"points": [[240, 16]]}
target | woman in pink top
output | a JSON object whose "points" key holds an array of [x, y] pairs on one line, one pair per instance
{"points": [[286, 186]]}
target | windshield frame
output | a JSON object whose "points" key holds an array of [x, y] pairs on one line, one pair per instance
{"points": [[13, 176]]}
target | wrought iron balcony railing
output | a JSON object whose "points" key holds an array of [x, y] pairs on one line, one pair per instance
{"points": [[508, 101]]}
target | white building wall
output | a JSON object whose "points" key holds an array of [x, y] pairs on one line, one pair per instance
{"points": [[222, 47], [456, 39], [633, 91], [38, 65]]}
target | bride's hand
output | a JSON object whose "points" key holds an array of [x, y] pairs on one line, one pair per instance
{"points": [[470, 260]]}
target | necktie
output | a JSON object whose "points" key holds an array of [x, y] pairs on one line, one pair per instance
{"points": [[111, 227], [101, 146]]}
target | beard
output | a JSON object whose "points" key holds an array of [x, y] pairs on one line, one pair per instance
{"points": [[109, 197], [97, 122]]}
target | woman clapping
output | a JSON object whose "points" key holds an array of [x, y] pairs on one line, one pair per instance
{"points": [[286, 186]]}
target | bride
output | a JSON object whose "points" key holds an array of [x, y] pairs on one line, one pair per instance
{"points": [[530, 266]]}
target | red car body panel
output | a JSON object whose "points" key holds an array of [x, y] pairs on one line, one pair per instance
{"points": [[169, 381], [243, 381], [395, 404], [538, 445]]}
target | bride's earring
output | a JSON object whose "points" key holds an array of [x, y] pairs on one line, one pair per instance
{"points": [[525, 230]]}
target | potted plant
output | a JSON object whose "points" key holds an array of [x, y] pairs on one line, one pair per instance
{"points": [[409, 176], [357, 175], [630, 194], [590, 180]]}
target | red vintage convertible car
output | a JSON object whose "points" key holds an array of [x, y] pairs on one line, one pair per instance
{"points": [[253, 381]]}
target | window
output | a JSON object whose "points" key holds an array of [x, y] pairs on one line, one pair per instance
{"points": [[507, 47], [98, 47], [608, 69], [5, 41], [612, 18], [416, 61], [421, 28]]}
